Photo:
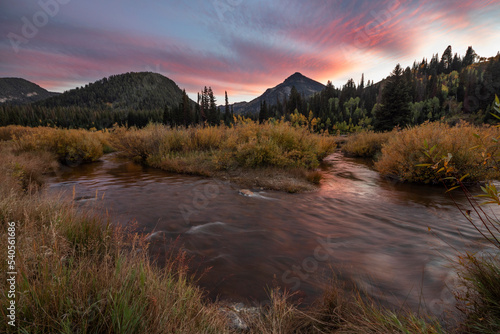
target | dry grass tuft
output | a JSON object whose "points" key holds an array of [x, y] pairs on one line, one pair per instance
{"points": [[25, 171], [366, 144], [223, 151], [404, 151], [479, 301], [342, 310], [71, 147], [77, 273]]}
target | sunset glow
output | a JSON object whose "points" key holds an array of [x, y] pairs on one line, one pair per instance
{"points": [[239, 46]]}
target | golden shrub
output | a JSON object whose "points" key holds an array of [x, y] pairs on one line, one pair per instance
{"points": [[366, 144], [468, 145], [70, 146]]}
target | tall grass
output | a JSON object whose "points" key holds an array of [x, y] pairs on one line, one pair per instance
{"points": [[479, 301], [404, 152], [71, 146], [342, 310], [366, 144], [78, 274], [24, 171], [210, 150]]}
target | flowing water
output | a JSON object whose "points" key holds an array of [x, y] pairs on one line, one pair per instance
{"points": [[397, 242]]}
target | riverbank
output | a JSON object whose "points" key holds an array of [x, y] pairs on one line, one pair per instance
{"points": [[275, 156], [431, 152], [77, 272], [59, 245]]}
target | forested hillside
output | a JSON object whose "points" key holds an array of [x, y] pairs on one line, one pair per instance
{"points": [[17, 91], [450, 87], [137, 91]]}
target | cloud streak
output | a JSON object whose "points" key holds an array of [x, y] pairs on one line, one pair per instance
{"points": [[255, 45]]}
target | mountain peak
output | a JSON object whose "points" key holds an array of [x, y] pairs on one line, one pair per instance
{"points": [[295, 76], [304, 86]]}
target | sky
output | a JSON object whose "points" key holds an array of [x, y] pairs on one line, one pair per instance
{"points": [[239, 46]]}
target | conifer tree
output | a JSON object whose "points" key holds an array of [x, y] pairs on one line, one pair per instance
{"points": [[263, 114], [395, 110], [446, 60], [212, 107], [227, 112], [470, 57]]}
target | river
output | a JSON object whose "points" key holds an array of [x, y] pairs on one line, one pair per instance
{"points": [[398, 242]]}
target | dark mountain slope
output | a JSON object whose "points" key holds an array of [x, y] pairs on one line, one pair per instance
{"points": [[129, 91], [303, 84], [18, 91]]}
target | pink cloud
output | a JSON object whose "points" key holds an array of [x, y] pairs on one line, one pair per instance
{"points": [[255, 47]]}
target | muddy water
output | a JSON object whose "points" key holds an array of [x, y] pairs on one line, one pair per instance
{"points": [[370, 230]]}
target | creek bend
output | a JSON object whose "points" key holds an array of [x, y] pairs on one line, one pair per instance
{"points": [[370, 230]]}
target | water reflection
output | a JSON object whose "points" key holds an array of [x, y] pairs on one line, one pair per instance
{"points": [[395, 240]]}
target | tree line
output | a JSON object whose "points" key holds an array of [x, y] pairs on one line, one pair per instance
{"points": [[450, 87], [185, 113]]}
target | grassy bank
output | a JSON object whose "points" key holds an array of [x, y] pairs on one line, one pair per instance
{"points": [[77, 273], [403, 154], [273, 155], [365, 144], [467, 145]]}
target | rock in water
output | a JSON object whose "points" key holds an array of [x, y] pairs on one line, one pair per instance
{"points": [[246, 192], [235, 312]]}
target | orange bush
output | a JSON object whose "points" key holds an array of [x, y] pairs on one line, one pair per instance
{"points": [[404, 151]]}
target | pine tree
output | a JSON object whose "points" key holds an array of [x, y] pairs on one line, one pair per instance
{"points": [[470, 57], [186, 109], [446, 60], [212, 107], [456, 64], [295, 100], [167, 116], [227, 112], [361, 86], [204, 107], [395, 110], [263, 114]]}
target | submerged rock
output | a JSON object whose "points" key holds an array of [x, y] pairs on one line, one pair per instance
{"points": [[205, 228], [249, 193], [155, 236], [85, 198], [246, 192], [235, 313]]}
